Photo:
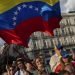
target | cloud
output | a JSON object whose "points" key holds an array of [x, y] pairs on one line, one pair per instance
{"points": [[67, 5]]}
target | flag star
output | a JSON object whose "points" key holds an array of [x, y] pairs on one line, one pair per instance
{"points": [[16, 13], [36, 9], [14, 18], [19, 8], [14, 23], [30, 6], [24, 5]]}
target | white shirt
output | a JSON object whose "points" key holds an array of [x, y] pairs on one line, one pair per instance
{"points": [[22, 73], [54, 61]]}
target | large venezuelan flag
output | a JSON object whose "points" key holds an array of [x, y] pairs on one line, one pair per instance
{"points": [[20, 18]]}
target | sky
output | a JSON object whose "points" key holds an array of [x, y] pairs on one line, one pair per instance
{"points": [[66, 6]]}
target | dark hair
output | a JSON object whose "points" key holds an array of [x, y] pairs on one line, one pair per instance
{"points": [[22, 61], [39, 59], [53, 73], [19, 59], [59, 46], [64, 72], [69, 59]]}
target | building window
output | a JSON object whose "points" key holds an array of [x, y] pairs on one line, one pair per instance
{"points": [[63, 22], [30, 44], [68, 21], [62, 40], [55, 40], [73, 39], [47, 43], [72, 20], [40, 44]]}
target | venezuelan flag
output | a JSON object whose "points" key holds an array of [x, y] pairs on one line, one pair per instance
{"points": [[20, 18]]}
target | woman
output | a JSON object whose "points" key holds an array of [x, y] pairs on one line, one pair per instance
{"points": [[42, 70]]}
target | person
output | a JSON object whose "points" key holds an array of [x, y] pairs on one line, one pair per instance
{"points": [[64, 72], [14, 66], [10, 70], [21, 67], [70, 68], [29, 68], [55, 59], [65, 63], [42, 70]]}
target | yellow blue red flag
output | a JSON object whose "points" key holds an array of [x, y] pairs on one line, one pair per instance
{"points": [[20, 18]]}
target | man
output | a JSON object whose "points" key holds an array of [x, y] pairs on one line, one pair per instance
{"points": [[64, 60], [21, 67], [55, 59], [29, 68]]}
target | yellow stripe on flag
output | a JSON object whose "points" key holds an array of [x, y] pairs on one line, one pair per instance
{"points": [[50, 2], [5, 5]]}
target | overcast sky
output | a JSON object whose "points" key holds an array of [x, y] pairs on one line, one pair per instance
{"points": [[66, 6]]}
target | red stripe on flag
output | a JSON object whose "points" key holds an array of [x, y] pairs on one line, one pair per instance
{"points": [[22, 32]]}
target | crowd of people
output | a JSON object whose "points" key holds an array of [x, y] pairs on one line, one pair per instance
{"points": [[58, 65]]}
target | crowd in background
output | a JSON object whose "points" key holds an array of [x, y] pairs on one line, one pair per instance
{"points": [[58, 65]]}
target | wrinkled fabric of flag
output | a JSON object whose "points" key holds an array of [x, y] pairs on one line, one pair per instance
{"points": [[20, 18]]}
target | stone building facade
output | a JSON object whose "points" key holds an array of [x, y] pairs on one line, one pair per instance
{"points": [[42, 44]]}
